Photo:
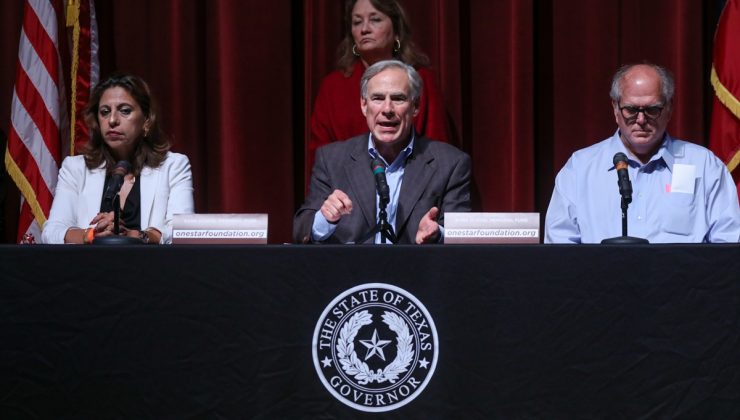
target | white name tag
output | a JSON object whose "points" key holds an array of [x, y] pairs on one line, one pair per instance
{"points": [[683, 178], [219, 229], [492, 228]]}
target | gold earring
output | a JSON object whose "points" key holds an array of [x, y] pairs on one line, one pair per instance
{"points": [[354, 50]]}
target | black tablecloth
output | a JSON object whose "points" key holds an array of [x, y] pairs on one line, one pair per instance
{"points": [[528, 331]]}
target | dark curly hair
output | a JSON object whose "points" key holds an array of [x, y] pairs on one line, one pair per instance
{"points": [[151, 150]]}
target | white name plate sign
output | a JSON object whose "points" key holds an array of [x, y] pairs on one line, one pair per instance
{"points": [[492, 228], [226, 228]]}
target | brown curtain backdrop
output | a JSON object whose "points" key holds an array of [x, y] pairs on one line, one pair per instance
{"points": [[525, 83]]}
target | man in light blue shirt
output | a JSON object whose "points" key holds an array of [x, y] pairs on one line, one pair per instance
{"points": [[681, 191]]}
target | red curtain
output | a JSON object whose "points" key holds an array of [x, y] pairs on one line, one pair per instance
{"points": [[525, 83]]}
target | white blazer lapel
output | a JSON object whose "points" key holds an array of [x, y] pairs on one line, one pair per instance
{"points": [[92, 195], [148, 186]]}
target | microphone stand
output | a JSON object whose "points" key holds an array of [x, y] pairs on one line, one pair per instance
{"points": [[624, 239], [383, 226], [117, 239]]}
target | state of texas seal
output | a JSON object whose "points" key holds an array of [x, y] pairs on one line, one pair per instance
{"points": [[375, 347]]}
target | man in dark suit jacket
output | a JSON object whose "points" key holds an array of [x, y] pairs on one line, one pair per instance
{"points": [[426, 178]]}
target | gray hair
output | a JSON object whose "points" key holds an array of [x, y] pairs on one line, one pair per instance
{"points": [[415, 83], [667, 85]]}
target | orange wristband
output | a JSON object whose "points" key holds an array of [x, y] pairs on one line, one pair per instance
{"points": [[88, 236]]}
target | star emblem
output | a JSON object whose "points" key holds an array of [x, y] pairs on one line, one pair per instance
{"points": [[375, 346], [423, 363], [326, 362]]}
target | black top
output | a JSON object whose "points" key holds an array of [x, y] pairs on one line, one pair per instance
{"points": [[131, 213]]}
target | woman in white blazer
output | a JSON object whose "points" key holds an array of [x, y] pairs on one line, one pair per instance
{"points": [[126, 141]]}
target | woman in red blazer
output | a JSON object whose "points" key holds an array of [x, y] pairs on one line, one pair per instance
{"points": [[375, 30]]}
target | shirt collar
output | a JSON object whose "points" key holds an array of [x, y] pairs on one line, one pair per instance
{"points": [[667, 152], [400, 159]]}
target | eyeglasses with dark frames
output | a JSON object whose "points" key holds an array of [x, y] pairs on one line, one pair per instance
{"points": [[650, 112]]}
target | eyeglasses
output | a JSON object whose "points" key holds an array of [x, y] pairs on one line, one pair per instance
{"points": [[651, 112]]}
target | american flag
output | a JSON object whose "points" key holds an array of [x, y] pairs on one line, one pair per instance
{"points": [[39, 131]]}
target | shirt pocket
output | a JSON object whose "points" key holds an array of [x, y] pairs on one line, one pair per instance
{"points": [[678, 213]]}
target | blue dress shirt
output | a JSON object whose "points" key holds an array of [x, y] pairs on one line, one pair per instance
{"points": [[586, 203], [322, 229]]}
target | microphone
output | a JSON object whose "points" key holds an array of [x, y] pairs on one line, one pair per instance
{"points": [[110, 203], [381, 182], [625, 189], [625, 186], [116, 182]]}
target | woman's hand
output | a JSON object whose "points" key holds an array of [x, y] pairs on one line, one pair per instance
{"points": [[103, 223], [148, 236]]}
